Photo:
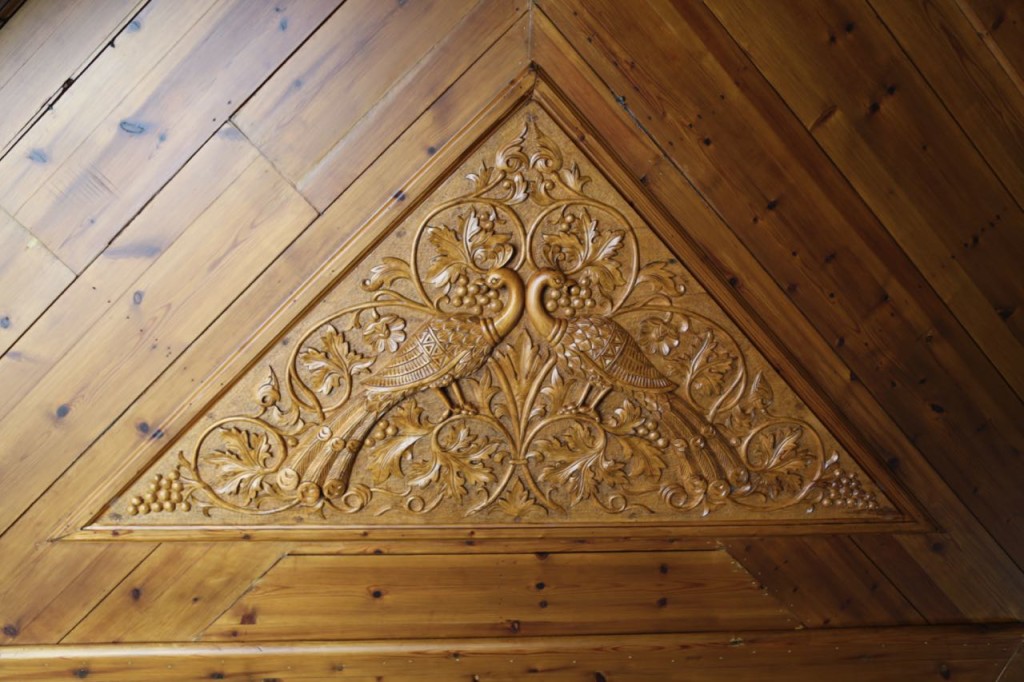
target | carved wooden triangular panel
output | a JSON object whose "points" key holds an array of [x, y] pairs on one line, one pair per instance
{"points": [[521, 351]]}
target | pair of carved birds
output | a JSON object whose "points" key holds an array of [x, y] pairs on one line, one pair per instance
{"points": [[594, 349]]}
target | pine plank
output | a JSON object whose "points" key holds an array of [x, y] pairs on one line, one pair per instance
{"points": [[30, 279], [395, 597], [782, 196], [336, 78], [426, 82], [44, 48], [892, 138], [223, 250], [107, 280], [1003, 22], [979, 576], [175, 593], [44, 596], [881, 655], [76, 198], [826, 582], [967, 77]]}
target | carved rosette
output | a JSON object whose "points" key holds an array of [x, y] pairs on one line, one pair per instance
{"points": [[443, 390]]}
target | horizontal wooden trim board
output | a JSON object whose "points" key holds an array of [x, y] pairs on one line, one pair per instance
{"points": [[897, 654]]}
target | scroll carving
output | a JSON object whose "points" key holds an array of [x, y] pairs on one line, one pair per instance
{"points": [[530, 352]]}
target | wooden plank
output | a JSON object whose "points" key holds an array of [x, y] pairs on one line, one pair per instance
{"points": [[432, 76], [224, 250], [107, 280], [30, 279], [881, 655], [891, 137], [44, 48], [396, 597], [1014, 670], [75, 198], [44, 596], [1003, 22], [977, 574], [175, 593], [782, 196], [825, 582], [967, 77], [336, 78]]}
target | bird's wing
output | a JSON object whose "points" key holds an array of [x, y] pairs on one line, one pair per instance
{"points": [[425, 358], [624, 363]]}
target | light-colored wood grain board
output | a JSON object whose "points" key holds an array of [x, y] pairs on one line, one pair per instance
{"points": [[198, 185], [451, 596], [44, 49], [175, 593], [78, 199], [881, 655], [782, 196], [223, 250], [980, 596], [31, 277]]}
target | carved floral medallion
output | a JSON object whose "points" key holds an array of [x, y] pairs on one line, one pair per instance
{"points": [[521, 348]]}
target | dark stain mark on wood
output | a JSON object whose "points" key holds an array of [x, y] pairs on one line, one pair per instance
{"points": [[944, 671], [938, 547], [283, 24], [998, 21], [377, 594], [939, 409], [663, 569], [849, 27], [38, 155], [840, 342], [143, 427], [11, 630], [831, 38], [137, 297], [541, 555], [5, 322], [599, 677], [431, 150], [132, 127], [158, 434], [399, 195], [540, 586], [63, 411], [663, 602], [136, 594], [514, 626], [543, 603], [734, 281], [707, 141], [891, 90], [873, 108], [81, 673], [893, 463], [133, 26], [824, 116], [772, 205], [196, 599], [248, 618], [216, 676]]}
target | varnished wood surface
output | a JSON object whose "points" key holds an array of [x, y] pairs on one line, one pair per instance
{"points": [[844, 178]]}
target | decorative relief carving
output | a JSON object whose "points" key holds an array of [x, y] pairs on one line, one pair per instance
{"points": [[529, 352]]}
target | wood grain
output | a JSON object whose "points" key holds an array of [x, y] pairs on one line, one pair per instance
{"points": [[378, 597], [980, 597], [883, 655], [31, 277], [1002, 21], [175, 593], [44, 48], [75, 198], [173, 301]]}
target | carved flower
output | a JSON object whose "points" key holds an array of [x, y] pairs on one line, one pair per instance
{"points": [[385, 332], [657, 336]]}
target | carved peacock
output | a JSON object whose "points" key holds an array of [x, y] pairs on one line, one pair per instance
{"points": [[444, 349], [601, 354]]}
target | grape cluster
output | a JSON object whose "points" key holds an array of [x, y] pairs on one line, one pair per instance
{"points": [[571, 299], [164, 494], [384, 429], [474, 295], [846, 490], [649, 430]]}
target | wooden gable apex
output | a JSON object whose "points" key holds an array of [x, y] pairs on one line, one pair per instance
{"points": [[260, 448]]}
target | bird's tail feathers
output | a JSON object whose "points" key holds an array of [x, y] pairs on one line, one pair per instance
{"points": [[707, 453]]}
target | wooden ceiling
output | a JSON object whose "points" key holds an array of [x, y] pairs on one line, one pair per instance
{"points": [[182, 180]]}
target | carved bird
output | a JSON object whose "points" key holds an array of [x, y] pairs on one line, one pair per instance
{"points": [[445, 348], [602, 354]]}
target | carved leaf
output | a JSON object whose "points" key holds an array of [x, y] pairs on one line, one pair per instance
{"points": [[242, 463], [389, 271], [643, 456], [335, 364], [517, 501], [384, 459], [657, 283], [580, 465], [486, 247], [458, 462], [449, 262]]}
